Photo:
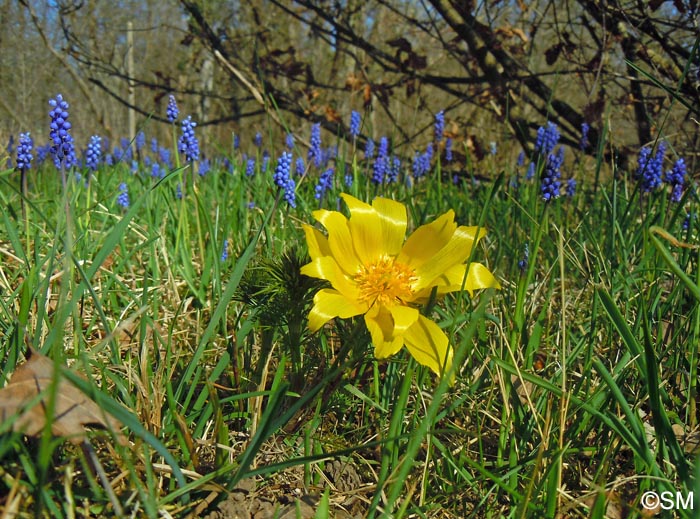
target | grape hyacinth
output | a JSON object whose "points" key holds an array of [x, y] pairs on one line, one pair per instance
{"points": [[325, 182], [547, 138], [165, 156], [524, 262], [289, 141], [394, 170], [140, 141], [124, 153], [42, 152], [369, 149], [265, 161], [417, 166], [643, 161], [188, 143], [448, 149], [659, 155], [227, 164], [439, 125], [315, 152], [123, 198], [157, 171], [125, 145], [224, 251], [172, 112], [689, 217], [93, 154], [329, 153], [299, 166], [530, 174], [583, 143], [355, 122], [250, 167], [24, 161], [204, 167], [421, 164], [63, 150], [429, 153], [257, 140], [283, 180], [24, 151], [381, 162], [551, 183], [675, 177], [649, 169], [571, 187]]}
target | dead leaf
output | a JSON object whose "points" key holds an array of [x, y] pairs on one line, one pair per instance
{"points": [[367, 95], [474, 145], [509, 31], [690, 441], [523, 388], [332, 115], [520, 34], [72, 412], [354, 83]]}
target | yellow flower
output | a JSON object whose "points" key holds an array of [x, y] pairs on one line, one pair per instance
{"points": [[374, 273]]}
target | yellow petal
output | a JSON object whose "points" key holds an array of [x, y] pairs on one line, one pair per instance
{"points": [[429, 345], [480, 277], [327, 268], [364, 229], [393, 222], [380, 324], [427, 240], [339, 240], [404, 317], [328, 304], [377, 229], [451, 280], [455, 252], [316, 241]]}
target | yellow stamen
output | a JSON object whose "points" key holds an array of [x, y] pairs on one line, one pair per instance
{"points": [[385, 281]]}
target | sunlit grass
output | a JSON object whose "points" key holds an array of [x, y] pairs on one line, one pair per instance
{"points": [[576, 388]]}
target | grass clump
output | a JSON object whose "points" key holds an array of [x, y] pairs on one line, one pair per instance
{"points": [[574, 387]]}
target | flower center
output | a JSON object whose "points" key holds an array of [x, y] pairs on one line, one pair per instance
{"points": [[385, 282]]}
